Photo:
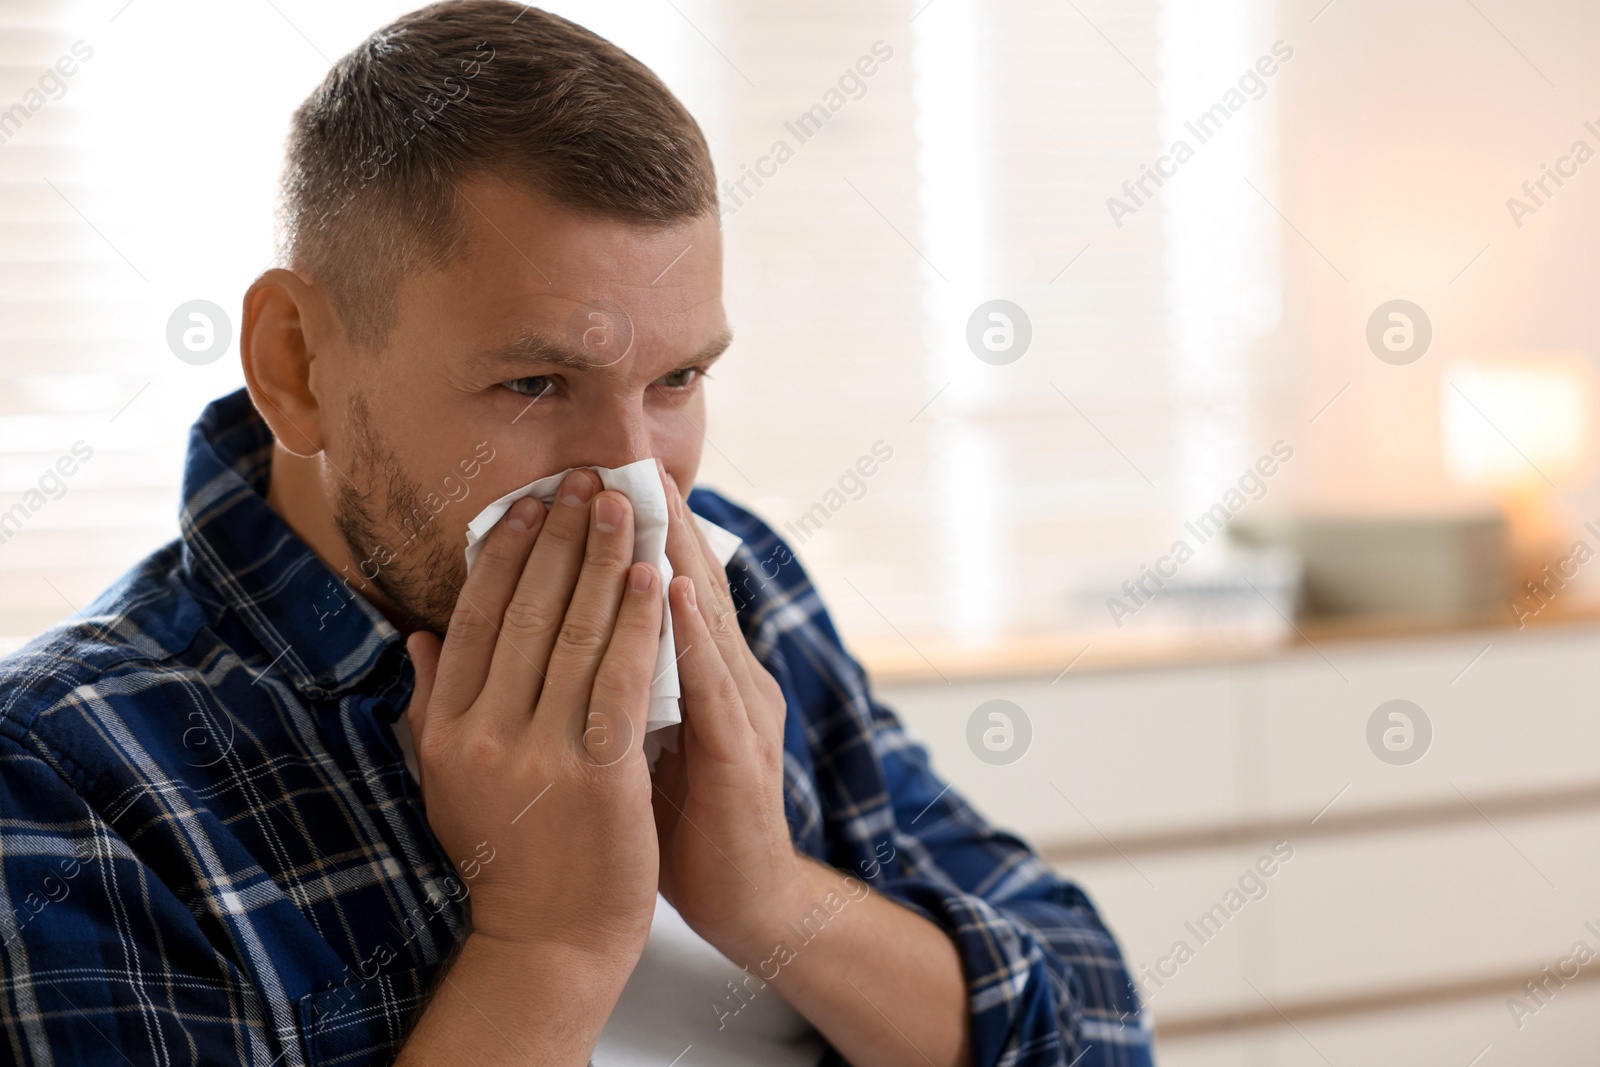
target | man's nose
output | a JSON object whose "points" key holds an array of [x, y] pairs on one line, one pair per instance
{"points": [[616, 436]]}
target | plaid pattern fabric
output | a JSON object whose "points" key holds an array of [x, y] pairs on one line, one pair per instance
{"points": [[211, 850]]}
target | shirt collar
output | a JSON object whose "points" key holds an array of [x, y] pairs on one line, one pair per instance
{"points": [[326, 638]]}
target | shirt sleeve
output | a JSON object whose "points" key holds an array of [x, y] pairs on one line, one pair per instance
{"points": [[100, 962], [1046, 981]]}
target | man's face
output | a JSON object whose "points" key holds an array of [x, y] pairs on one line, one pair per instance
{"points": [[555, 340]]}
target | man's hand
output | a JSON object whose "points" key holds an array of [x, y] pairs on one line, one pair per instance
{"points": [[727, 862], [528, 727], [863, 970]]}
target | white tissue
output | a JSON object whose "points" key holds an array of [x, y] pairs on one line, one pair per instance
{"points": [[641, 483]]}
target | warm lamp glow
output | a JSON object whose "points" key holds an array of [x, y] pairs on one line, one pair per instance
{"points": [[1519, 423], [1521, 426]]}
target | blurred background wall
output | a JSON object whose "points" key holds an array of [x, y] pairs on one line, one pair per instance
{"points": [[1159, 341]]}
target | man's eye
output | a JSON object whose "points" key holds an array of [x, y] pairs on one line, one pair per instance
{"points": [[681, 379], [536, 386]]}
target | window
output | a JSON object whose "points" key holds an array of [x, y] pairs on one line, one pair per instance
{"points": [[934, 157]]}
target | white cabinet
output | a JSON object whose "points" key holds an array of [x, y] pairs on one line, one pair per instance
{"points": [[1412, 907]]}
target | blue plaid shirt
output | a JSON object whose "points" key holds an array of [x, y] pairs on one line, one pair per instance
{"points": [[211, 850]]}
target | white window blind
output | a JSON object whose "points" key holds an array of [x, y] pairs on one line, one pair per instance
{"points": [[977, 166], [934, 156]]}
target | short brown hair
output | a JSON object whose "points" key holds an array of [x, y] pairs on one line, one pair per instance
{"points": [[462, 88]]}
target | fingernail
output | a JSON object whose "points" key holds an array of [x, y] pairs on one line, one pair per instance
{"points": [[641, 577], [688, 592], [523, 514], [607, 514], [577, 489]]}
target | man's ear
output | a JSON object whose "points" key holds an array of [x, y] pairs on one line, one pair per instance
{"points": [[288, 325]]}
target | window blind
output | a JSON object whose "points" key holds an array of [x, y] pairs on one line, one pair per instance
{"points": [[887, 168]]}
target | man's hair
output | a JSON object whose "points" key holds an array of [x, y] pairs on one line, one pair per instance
{"points": [[376, 154]]}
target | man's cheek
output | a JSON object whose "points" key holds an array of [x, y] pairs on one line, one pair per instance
{"points": [[448, 532], [676, 440], [497, 479]]}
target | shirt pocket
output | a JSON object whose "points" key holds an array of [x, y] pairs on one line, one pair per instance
{"points": [[367, 1021]]}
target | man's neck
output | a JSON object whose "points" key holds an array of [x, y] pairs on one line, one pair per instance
{"points": [[298, 492]]}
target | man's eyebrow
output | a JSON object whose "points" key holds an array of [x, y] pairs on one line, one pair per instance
{"points": [[537, 348], [714, 350]]}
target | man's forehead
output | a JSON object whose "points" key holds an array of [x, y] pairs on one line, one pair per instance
{"points": [[539, 283], [566, 248]]}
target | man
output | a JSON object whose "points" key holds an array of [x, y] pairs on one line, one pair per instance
{"points": [[502, 260]]}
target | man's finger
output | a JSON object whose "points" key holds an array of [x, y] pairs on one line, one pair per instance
{"points": [[723, 589], [475, 626], [711, 695], [721, 598], [711, 589], [619, 700], [712, 701], [591, 618], [424, 648], [543, 591]]}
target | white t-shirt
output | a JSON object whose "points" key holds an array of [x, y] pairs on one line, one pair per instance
{"points": [[688, 1005], [687, 999]]}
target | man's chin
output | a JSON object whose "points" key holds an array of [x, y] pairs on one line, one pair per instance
{"points": [[411, 608], [419, 597]]}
